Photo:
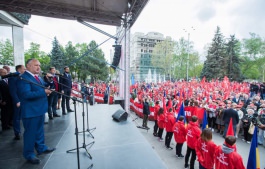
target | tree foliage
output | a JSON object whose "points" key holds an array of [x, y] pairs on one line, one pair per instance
{"points": [[162, 57], [216, 66], [253, 57], [57, 55], [6, 52], [35, 52]]}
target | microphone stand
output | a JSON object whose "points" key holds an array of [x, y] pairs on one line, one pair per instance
{"points": [[76, 128], [84, 145], [88, 130], [83, 115]]}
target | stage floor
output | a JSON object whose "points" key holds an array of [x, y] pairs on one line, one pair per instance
{"points": [[118, 145]]}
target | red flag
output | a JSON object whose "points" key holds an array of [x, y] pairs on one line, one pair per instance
{"points": [[230, 130], [164, 106]]}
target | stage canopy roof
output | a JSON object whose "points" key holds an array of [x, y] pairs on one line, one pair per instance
{"points": [[107, 12]]}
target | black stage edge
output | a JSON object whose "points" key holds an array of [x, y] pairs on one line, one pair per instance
{"points": [[118, 145]]}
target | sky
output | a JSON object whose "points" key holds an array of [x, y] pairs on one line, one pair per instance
{"points": [[169, 17]]}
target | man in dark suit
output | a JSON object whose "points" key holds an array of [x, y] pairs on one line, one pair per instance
{"points": [[5, 102], [12, 82], [53, 97], [33, 97], [66, 87], [146, 112], [230, 113]]}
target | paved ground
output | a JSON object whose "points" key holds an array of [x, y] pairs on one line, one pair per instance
{"points": [[172, 162]]}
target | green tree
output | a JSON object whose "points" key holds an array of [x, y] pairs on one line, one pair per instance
{"points": [[93, 64], [70, 54], [184, 50], [215, 65], [162, 56], [233, 52], [253, 56], [57, 56], [6, 52], [35, 52]]}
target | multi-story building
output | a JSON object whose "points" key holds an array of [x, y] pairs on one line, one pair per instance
{"points": [[141, 49]]}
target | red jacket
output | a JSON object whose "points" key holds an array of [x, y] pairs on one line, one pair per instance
{"points": [[180, 132], [157, 107], [205, 152], [193, 134], [170, 121], [227, 158], [161, 120]]}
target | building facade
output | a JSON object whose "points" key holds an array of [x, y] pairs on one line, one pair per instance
{"points": [[141, 49]]}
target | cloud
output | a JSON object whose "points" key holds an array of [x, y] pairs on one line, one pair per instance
{"points": [[206, 13]]}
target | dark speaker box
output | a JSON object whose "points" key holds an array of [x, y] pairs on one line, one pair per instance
{"points": [[119, 101], [120, 115]]}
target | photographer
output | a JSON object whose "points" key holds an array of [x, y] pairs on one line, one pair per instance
{"points": [[247, 120]]}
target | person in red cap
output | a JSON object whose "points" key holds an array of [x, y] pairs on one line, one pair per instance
{"points": [[225, 156], [180, 133], [205, 149], [193, 134]]}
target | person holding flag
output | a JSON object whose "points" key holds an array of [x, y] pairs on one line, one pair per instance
{"points": [[193, 134], [180, 133], [205, 149], [225, 156]]}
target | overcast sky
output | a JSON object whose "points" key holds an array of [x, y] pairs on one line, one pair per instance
{"points": [[168, 17]]}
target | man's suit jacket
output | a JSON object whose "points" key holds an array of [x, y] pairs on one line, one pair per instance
{"points": [[66, 82], [12, 83], [32, 97]]}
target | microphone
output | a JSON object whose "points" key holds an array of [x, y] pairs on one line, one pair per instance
{"points": [[58, 74], [44, 73], [9, 75]]}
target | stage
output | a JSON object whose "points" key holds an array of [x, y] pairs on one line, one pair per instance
{"points": [[118, 145]]}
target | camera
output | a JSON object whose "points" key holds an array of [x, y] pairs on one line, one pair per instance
{"points": [[254, 119]]}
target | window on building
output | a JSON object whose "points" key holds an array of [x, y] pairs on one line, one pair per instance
{"points": [[141, 44], [142, 50]]}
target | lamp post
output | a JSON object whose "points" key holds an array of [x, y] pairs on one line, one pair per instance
{"points": [[188, 51]]}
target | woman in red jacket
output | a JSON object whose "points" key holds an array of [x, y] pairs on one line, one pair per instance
{"points": [[161, 123], [205, 150], [180, 133]]}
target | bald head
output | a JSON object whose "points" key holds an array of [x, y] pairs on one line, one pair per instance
{"points": [[33, 66], [3, 72]]}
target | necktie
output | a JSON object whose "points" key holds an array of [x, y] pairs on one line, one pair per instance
{"points": [[36, 77]]}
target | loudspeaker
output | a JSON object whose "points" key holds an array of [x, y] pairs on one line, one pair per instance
{"points": [[120, 115], [119, 101], [116, 57]]}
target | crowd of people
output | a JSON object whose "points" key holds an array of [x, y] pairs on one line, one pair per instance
{"points": [[243, 103]]}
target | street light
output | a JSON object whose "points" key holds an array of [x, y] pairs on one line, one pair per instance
{"points": [[192, 29]]}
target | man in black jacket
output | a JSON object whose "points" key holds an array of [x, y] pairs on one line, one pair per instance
{"points": [[146, 112], [230, 113], [66, 87]]}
